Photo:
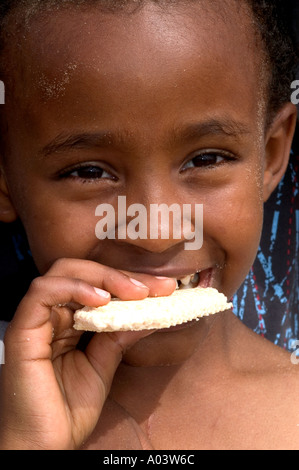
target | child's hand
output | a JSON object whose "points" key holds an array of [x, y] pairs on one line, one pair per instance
{"points": [[51, 393]]}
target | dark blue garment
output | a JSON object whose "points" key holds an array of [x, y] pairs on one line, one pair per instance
{"points": [[17, 268], [268, 300]]}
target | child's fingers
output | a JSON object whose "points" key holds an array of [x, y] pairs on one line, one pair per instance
{"points": [[104, 277], [41, 387], [122, 284], [34, 322], [158, 286]]}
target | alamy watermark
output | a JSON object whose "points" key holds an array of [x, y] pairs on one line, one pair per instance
{"points": [[295, 94], [159, 221], [2, 352], [2, 92]]}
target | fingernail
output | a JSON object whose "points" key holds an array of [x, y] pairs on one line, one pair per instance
{"points": [[163, 277], [137, 283], [102, 293]]}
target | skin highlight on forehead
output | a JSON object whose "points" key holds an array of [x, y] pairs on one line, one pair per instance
{"points": [[54, 80], [33, 17], [277, 67]]}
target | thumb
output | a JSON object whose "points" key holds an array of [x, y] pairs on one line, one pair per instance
{"points": [[105, 352]]}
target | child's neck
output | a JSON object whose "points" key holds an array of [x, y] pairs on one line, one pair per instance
{"points": [[212, 350], [142, 390]]}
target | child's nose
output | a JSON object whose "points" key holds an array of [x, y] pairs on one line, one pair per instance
{"points": [[157, 243], [156, 225]]}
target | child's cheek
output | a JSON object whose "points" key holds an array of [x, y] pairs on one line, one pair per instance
{"points": [[58, 230]]}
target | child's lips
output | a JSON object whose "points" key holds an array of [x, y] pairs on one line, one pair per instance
{"points": [[186, 278]]}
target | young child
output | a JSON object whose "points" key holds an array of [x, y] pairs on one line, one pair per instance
{"points": [[162, 102]]}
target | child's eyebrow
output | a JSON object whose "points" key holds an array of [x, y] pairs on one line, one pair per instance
{"points": [[102, 139], [223, 127], [81, 140]]}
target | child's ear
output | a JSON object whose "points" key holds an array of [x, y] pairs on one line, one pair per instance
{"points": [[278, 147], [7, 211]]}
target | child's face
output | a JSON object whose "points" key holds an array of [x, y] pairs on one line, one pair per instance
{"points": [[168, 105]]}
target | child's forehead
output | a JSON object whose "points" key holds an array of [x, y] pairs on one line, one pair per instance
{"points": [[71, 64], [66, 30], [58, 43]]}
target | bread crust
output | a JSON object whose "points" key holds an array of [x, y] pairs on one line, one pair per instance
{"points": [[182, 306]]}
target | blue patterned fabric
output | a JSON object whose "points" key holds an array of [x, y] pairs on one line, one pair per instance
{"points": [[268, 300]]}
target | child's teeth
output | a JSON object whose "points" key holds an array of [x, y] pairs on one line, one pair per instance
{"points": [[186, 280]]}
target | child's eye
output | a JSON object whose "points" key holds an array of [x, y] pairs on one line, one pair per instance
{"points": [[87, 172], [207, 159]]}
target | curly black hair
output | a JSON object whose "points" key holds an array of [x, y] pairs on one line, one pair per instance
{"points": [[272, 20]]}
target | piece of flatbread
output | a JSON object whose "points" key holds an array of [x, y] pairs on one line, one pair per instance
{"points": [[150, 313]]}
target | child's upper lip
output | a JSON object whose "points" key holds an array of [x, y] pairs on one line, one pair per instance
{"points": [[173, 272]]}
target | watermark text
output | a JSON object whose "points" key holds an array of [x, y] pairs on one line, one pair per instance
{"points": [[2, 92], [2, 352], [295, 94], [159, 221]]}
